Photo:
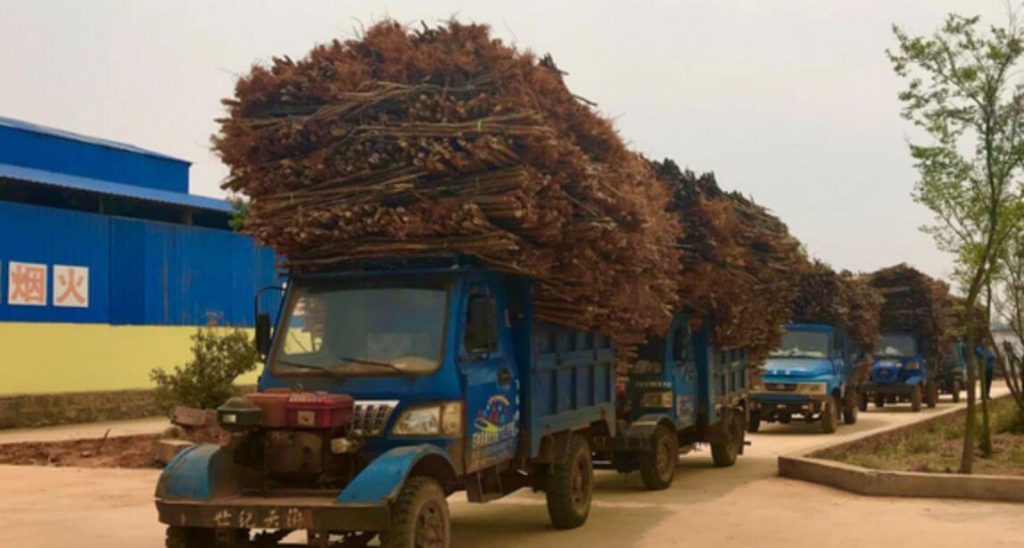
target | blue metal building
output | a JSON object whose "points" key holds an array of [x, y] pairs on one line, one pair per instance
{"points": [[107, 263]]}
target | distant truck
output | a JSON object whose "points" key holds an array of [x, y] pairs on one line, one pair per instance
{"points": [[386, 390], [812, 375], [681, 392], [953, 371], [900, 373]]}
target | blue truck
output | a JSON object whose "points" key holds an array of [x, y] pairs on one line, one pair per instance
{"points": [[953, 371], [681, 392], [386, 389], [901, 373], [812, 375]]}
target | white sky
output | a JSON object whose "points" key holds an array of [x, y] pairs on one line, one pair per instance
{"points": [[792, 102]]}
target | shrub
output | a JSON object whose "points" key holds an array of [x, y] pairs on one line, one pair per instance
{"points": [[218, 357]]}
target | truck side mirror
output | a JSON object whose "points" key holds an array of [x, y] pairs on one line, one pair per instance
{"points": [[481, 325], [263, 333]]}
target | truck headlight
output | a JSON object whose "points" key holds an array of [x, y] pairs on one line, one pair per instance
{"points": [[913, 365], [657, 400], [443, 419], [812, 388]]}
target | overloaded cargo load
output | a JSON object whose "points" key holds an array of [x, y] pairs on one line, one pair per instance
{"points": [[445, 140], [915, 303], [839, 299], [738, 261]]}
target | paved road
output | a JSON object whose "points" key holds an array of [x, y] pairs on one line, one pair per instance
{"points": [[747, 505]]}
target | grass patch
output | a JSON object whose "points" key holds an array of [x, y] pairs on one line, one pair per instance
{"points": [[937, 448]]}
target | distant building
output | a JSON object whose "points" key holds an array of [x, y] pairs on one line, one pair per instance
{"points": [[107, 263]]}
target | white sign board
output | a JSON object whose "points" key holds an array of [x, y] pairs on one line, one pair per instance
{"points": [[26, 284], [70, 286]]}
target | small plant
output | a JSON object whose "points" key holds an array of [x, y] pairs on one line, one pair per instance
{"points": [[218, 358], [920, 445]]}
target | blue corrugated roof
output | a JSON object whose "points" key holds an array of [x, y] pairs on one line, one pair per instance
{"points": [[62, 134], [107, 187]]}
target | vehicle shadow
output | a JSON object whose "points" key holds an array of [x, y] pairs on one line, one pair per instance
{"points": [[800, 428], [522, 520]]}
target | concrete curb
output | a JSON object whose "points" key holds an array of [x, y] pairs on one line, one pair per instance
{"points": [[812, 465]]}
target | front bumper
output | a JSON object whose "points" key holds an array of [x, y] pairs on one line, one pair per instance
{"points": [[770, 405], [249, 512], [888, 388]]}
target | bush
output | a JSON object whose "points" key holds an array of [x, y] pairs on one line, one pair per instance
{"points": [[218, 358]]}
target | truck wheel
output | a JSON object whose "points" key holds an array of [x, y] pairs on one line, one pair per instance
{"points": [[850, 408], [725, 453], [201, 537], [829, 415], [419, 517], [658, 467], [915, 398], [754, 424], [932, 396], [879, 400], [571, 486], [956, 391]]}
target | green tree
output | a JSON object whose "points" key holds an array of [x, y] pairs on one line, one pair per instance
{"points": [[207, 381], [961, 90]]}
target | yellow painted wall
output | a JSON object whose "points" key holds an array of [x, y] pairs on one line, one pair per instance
{"points": [[41, 358]]}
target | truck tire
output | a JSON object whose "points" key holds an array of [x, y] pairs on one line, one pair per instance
{"points": [[190, 537], [879, 400], [419, 517], [850, 408], [932, 394], [570, 486], [957, 387], [915, 398], [754, 424], [829, 415], [658, 466], [725, 452]]}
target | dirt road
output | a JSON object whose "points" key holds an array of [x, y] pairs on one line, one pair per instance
{"points": [[748, 505]]}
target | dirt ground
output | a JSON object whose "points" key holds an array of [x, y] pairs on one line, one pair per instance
{"points": [[747, 505], [116, 452]]}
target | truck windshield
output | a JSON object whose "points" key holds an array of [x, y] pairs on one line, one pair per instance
{"points": [[392, 329], [802, 344], [897, 345]]}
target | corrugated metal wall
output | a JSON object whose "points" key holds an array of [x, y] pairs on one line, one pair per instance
{"points": [[140, 272]]}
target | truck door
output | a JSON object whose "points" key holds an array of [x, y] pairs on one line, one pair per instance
{"points": [[681, 358], [490, 377]]}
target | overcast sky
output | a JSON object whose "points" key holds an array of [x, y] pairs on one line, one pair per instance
{"points": [[792, 102]]}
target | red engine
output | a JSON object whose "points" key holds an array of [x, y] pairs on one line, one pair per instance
{"points": [[314, 410]]}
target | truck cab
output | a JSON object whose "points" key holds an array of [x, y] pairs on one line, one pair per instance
{"points": [[811, 375], [900, 372], [953, 371], [681, 392], [383, 392]]}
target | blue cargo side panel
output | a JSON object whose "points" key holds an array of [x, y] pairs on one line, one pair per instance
{"points": [[571, 384]]}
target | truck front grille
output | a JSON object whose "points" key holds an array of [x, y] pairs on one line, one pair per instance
{"points": [[371, 416], [780, 387]]}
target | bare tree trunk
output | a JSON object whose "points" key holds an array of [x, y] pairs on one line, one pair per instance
{"points": [[986, 432], [967, 456]]}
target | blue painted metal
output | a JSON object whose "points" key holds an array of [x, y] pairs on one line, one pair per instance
{"points": [[61, 152], [140, 272], [199, 473], [700, 377], [835, 371], [382, 479], [899, 374], [102, 186]]}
